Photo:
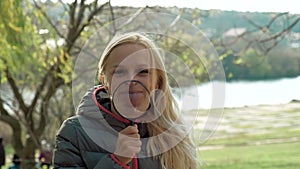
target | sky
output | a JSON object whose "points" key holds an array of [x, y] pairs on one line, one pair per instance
{"points": [[291, 6]]}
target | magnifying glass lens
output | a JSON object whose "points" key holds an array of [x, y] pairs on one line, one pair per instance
{"points": [[131, 99]]}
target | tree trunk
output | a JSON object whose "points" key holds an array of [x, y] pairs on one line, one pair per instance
{"points": [[28, 154]]}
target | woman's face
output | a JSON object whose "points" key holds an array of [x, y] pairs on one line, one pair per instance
{"points": [[126, 62]]}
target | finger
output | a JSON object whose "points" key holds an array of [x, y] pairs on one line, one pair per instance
{"points": [[133, 148], [130, 130], [129, 148], [136, 136], [131, 137], [135, 143], [126, 140]]}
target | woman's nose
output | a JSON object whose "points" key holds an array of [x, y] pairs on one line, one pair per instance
{"points": [[133, 80], [133, 76]]}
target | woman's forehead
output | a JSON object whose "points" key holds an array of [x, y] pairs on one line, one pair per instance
{"points": [[127, 49], [129, 53]]}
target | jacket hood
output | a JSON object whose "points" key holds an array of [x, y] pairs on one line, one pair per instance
{"points": [[87, 104], [96, 104]]}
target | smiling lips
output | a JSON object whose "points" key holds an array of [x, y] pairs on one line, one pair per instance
{"points": [[134, 94]]}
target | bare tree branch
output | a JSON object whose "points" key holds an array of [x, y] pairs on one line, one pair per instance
{"points": [[44, 104], [75, 32], [264, 39], [80, 15], [133, 17], [15, 90], [48, 20], [283, 32], [113, 17], [41, 87], [17, 130], [274, 18]]}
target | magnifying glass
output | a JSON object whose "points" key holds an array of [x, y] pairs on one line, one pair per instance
{"points": [[132, 100]]}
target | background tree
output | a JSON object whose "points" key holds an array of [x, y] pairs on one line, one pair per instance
{"points": [[35, 66], [31, 74]]}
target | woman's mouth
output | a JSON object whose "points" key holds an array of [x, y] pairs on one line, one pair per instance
{"points": [[134, 97]]}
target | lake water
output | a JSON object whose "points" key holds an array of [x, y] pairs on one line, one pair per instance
{"points": [[244, 93]]}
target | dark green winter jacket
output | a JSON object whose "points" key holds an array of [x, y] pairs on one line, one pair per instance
{"points": [[88, 139]]}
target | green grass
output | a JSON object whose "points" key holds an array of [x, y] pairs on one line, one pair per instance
{"points": [[244, 139], [279, 146], [8, 149], [272, 156]]}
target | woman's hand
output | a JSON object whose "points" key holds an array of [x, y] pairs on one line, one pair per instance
{"points": [[128, 144]]}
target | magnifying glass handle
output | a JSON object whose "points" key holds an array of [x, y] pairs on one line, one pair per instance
{"points": [[132, 123]]}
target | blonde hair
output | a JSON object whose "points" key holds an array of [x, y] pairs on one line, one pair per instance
{"points": [[183, 154]]}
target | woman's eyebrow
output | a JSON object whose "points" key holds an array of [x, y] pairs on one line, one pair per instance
{"points": [[114, 67], [122, 66], [117, 66], [143, 65]]}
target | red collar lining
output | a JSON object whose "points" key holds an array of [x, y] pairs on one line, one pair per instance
{"points": [[104, 109]]}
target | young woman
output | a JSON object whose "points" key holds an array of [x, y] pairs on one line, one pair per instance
{"points": [[101, 135]]}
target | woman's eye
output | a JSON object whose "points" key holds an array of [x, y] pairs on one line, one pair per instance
{"points": [[119, 71], [144, 72]]}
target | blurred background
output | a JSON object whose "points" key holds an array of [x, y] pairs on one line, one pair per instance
{"points": [[258, 44]]}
